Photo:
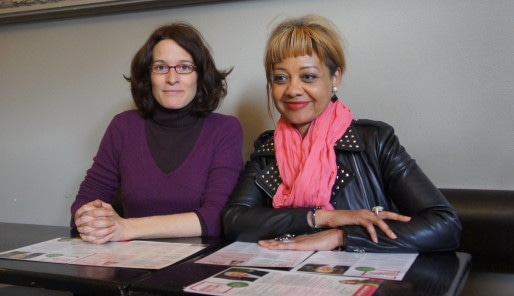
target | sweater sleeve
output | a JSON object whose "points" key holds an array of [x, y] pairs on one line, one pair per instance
{"points": [[102, 179], [226, 166]]}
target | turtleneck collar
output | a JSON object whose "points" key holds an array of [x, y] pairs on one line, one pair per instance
{"points": [[176, 118]]}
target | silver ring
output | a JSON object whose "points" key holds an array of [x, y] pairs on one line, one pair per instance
{"points": [[377, 209], [285, 238]]}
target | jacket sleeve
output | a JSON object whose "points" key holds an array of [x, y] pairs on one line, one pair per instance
{"points": [[249, 215], [434, 224]]}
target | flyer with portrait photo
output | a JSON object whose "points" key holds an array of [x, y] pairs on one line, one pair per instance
{"points": [[387, 266], [250, 281]]}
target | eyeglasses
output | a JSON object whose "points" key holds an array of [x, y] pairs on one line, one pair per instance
{"points": [[165, 69]]}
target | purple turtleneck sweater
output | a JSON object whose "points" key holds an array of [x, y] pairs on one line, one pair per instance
{"points": [[172, 163]]}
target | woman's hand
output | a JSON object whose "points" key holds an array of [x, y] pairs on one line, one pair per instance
{"points": [[320, 241], [332, 238], [365, 218], [97, 222]]}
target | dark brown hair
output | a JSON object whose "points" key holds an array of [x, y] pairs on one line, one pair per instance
{"points": [[212, 86]]}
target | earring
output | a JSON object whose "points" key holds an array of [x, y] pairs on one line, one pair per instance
{"points": [[334, 96]]}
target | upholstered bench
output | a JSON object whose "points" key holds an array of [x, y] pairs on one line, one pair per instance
{"points": [[487, 218]]}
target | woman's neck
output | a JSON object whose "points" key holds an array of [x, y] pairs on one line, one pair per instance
{"points": [[174, 117]]}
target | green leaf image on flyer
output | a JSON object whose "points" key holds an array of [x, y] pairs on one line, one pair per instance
{"points": [[364, 268], [53, 255], [238, 285]]}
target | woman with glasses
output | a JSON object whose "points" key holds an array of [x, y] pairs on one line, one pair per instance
{"points": [[173, 160], [322, 179]]}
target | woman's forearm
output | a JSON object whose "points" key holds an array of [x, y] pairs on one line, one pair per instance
{"points": [[176, 225]]}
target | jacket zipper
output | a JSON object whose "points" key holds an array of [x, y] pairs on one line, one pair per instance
{"points": [[361, 184]]}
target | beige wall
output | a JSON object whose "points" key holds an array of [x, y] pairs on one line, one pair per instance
{"points": [[440, 71]]}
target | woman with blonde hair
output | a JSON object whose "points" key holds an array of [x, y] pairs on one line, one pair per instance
{"points": [[323, 179]]}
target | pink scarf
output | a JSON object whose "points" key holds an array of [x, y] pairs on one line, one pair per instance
{"points": [[308, 166]]}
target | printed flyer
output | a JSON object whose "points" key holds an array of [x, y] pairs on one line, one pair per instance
{"points": [[130, 254], [249, 282]]}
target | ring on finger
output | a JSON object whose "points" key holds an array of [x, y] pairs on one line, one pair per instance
{"points": [[377, 209], [285, 238]]}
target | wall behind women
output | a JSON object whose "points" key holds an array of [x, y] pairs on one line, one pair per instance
{"points": [[441, 72]]}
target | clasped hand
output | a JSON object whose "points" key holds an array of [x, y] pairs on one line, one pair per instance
{"points": [[97, 222], [331, 239]]}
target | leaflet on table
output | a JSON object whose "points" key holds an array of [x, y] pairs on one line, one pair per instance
{"points": [[249, 282], [130, 254], [251, 254], [388, 266]]}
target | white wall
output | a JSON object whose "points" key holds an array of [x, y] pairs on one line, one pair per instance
{"points": [[441, 72]]}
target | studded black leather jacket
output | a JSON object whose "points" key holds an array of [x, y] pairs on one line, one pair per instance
{"points": [[373, 170]]}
